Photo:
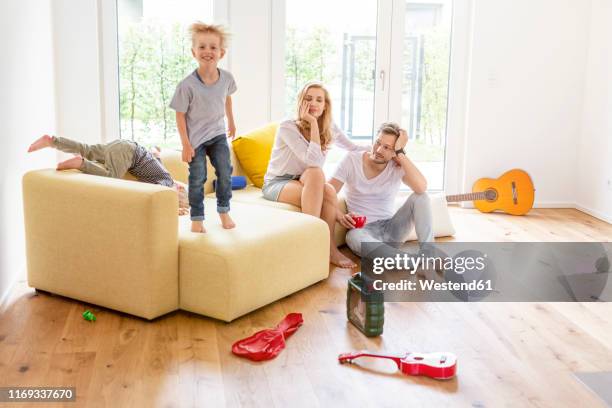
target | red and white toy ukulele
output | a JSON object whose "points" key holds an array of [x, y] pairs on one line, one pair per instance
{"points": [[440, 366]]}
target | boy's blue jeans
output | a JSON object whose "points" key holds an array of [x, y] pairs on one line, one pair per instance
{"points": [[218, 151]]}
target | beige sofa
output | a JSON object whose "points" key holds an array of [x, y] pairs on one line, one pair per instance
{"points": [[119, 244]]}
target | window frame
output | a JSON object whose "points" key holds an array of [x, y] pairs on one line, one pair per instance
{"points": [[459, 81], [387, 104], [108, 37]]}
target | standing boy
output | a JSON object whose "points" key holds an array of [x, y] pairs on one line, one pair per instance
{"points": [[202, 101]]}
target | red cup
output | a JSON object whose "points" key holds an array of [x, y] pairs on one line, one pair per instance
{"points": [[360, 220]]}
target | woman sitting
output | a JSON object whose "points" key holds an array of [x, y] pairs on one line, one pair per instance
{"points": [[295, 171]]}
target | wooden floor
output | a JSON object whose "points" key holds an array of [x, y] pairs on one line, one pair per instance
{"points": [[510, 354]]}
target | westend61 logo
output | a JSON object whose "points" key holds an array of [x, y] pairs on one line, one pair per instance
{"points": [[488, 271], [406, 262]]}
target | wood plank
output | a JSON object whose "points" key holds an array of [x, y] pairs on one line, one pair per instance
{"points": [[510, 354]]}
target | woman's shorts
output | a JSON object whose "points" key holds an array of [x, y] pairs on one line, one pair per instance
{"points": [[272, 188]]}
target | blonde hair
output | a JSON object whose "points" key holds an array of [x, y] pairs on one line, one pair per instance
{"points": [[202, 28], [324, 121]]}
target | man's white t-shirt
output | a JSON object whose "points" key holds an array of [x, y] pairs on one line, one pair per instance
{"points": [[375, 197]]}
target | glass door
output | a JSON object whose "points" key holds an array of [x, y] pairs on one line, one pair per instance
{"points": [[419, 81], [334, 42], [385, 60]]}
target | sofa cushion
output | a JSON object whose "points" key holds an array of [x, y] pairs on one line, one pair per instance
{"points": [[253, 151], [442, 224], [270, 254], [253, 195]]}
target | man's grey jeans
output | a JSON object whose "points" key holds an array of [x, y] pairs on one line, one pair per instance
{"points": [[415, 211]]}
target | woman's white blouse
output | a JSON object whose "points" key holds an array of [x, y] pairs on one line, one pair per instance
{"points": [[293, 154]]}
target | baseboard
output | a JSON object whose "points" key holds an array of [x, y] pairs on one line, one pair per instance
{"points": [[537, 204], [558, 204], [553, 204], [594, 213], [4, 297]]}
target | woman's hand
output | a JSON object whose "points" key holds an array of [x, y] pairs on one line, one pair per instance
{"points": [[346, 220], [188, 153], [305, 114]]}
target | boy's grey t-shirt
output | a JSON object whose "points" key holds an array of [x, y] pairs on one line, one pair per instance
{"points": [[203, 105]]}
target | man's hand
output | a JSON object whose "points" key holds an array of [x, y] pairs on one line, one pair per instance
{"points": [[346, 220], [231, 130], [188, 153], [400, 143], [402, 140]]}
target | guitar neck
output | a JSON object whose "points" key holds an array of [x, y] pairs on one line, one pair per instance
{"points": [[351, 356], [466, 197]]}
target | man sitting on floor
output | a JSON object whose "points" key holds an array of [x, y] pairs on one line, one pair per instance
{"points": [[373, 180]]}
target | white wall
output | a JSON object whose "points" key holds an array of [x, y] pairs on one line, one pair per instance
{"points": [[27, 111], [250, 61], [594, 191], [78, 72], [526, 92]]}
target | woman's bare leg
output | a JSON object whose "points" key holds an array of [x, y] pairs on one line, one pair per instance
{"points": [[306, 193], [328, 214], [292, 193], [313, 180]]}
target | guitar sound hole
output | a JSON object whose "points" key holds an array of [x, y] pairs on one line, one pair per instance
{"points": [[490, 195]]}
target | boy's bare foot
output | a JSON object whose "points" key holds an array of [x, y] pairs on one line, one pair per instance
{"points": [[226, 221], [198, 226], [74, 163], [41, 143], [337, 258]]}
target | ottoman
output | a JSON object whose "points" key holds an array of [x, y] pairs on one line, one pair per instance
{"points": [[270, 254]]}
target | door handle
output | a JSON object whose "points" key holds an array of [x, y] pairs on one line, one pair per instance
{"points": [[381, 76]]}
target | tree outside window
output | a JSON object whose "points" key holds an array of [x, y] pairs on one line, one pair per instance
{"points": [[154, 56]]}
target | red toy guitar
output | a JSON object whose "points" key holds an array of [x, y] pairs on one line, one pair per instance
{"points": [[440, 366]]}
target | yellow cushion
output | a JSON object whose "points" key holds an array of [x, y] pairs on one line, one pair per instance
{"points": [[253, 152]]}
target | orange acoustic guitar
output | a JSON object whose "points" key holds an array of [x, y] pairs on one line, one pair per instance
{"points": [[512, 193]]}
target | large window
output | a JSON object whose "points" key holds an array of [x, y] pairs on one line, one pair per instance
{"points": [[334, 42], [154, 55], [381, 60], [338, 48], [424, 84]]}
